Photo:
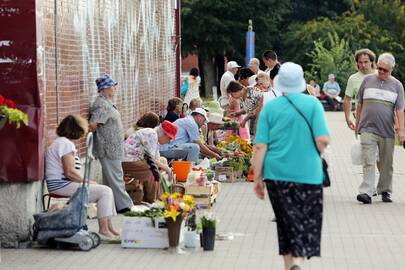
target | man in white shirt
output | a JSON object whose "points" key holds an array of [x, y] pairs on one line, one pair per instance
{"points": [[254, 65], [228, 76]]}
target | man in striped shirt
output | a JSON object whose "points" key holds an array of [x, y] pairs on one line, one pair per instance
{"points": [[380, 97]]}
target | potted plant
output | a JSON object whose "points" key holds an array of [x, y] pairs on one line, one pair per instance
{"points": [[208, 223], [8, 111], [176, 207]]}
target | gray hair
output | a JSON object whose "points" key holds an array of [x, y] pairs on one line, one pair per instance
{"points": [[387, 58], [262, 76], [255, 60]]}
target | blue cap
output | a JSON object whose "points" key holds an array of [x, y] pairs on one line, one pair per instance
{"points": [[105, 82]]}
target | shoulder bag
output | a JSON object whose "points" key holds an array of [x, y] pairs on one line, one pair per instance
{"points": [[326, 179]]}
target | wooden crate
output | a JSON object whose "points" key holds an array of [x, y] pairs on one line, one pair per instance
{"points": [[225, 174], [204, 195]]}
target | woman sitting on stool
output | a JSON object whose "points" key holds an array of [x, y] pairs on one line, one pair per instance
{"points": [[63, 175]]}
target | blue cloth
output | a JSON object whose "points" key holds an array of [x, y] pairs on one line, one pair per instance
{"points": [[188, 131], [331, 88], [291, 154], [105, 82]]}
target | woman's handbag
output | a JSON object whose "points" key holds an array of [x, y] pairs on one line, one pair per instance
{"points": [[326, 178]]}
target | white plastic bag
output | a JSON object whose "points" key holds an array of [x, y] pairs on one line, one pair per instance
{"points": [[356, 153]]}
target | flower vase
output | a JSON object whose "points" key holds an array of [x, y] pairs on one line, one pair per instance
{"points": [[208, 236], [173, 229], [3, 121]]}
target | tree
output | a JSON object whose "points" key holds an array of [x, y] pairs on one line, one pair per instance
{"points": [[216, 28], [333, 56], [375, 24]]}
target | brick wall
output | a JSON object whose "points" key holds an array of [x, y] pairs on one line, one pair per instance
{"points": [[78, 40]]}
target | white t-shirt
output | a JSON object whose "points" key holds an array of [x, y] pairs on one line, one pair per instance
{"points": [[54, 173], [270, 95], [225, 80]]}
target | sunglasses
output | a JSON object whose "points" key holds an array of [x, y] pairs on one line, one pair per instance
{"points": [[383, 69]]}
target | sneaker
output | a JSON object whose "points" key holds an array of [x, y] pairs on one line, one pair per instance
{"points": [[364, 198], [386, 196], [295, 267]]}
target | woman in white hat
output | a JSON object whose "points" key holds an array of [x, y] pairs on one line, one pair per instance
{"points": [[292, 170]]}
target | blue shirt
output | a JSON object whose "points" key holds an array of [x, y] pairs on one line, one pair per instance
{"points": [[291, 154], [188, 131], [331, 88]]}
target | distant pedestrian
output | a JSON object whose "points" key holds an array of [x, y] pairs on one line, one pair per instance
{"points": [[365, 60], [331, 91], [286, 160], [105, 122], [193, 86], [379, 97], [228, 76]]}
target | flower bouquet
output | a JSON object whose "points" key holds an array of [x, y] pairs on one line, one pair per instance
{"points": [[8, 111], [176, 207]]}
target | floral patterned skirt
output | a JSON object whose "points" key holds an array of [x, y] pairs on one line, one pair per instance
{"points": [[298, 209]]}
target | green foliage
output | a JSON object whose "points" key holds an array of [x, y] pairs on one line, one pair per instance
{"points": [[331, 56], [14, 116], [375, 24], [207, 222], [218, 27]]}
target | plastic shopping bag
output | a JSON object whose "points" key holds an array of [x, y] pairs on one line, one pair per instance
{"points": [[356, 153]]}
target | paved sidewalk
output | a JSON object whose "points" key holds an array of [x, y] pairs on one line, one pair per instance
{"points": [[354, 236]]}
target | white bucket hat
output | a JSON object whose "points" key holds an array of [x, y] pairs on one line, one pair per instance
{"points": [[202, 112], [290, 79], [215, 118]]}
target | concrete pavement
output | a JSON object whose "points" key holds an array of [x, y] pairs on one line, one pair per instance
{"points": [[354, 236]]}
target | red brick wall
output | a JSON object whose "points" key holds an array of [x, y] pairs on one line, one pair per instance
{"points": [[133, 41]]}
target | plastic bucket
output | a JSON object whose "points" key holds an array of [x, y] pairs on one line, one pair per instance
{"points": [[181, 169]]}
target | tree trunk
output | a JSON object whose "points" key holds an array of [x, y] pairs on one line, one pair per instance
{"points": [[209, 75]]}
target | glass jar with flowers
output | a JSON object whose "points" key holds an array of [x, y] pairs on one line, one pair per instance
{"points": [[177, 207], [8, 111]]}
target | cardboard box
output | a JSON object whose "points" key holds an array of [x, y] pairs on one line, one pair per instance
{"points": [[142, 232]]}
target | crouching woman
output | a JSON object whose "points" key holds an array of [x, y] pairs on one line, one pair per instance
{"points": [[147, 141], [63, 175]]}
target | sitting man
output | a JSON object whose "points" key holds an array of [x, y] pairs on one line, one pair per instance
{"points": [[187, 144]]}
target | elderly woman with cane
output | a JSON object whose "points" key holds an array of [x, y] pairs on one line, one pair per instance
{"points": [[105, 123], [284, 143]]}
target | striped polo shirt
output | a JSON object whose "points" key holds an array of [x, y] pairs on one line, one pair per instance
{"points": [[379, 99], [54, 174]]}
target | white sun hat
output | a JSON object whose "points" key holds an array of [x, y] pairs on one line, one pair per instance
{"points": [[290, 79], [215, 118]]}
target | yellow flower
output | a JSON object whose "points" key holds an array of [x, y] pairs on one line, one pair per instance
{"points": [[173, 213]]}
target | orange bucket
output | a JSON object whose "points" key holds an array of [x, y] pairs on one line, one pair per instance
{"points": [[181, 169], [251, 175]]}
